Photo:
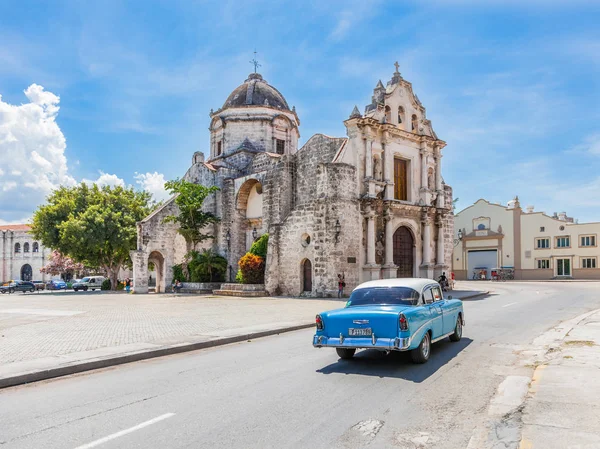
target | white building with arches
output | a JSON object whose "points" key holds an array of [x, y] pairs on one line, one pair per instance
{"points": [[370, 205], [22, 256]]}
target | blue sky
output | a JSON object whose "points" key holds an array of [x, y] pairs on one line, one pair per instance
{"points": [[513, 87]]}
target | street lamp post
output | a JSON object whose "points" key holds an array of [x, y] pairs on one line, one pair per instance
{"points": [[459, 239]]}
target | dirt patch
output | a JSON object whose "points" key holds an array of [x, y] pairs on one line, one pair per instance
{"points": [[580, 343]]}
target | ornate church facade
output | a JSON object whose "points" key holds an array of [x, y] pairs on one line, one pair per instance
{"points": [[370, 205]]}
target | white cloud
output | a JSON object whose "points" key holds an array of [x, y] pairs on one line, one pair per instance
{"points": [[590, 145], [32, 148], [106, 179], [153, 183]]}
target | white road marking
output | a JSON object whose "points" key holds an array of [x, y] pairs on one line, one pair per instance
{"points": [[126, 431], [508, 305], [44, 312]]}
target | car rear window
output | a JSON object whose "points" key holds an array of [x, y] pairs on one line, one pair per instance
{"points": [[404, 296]]}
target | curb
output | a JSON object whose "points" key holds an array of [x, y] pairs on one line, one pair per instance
{"points": [[37, 376]]}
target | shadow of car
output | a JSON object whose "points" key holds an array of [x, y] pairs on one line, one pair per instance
{"points": [[371, 362]]}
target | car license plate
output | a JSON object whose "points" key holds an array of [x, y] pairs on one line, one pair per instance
{"points": [[360, 332]]}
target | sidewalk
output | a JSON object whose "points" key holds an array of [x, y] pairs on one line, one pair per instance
{"points": [[44, 335], [562, 409]]}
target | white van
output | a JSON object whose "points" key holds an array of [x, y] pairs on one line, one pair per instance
{"points": [[89, 283]]}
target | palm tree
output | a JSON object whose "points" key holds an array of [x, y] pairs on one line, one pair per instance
{"points": [[209, 264]]}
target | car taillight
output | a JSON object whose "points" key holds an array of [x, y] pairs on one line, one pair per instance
{"points": [[403, 322], [319, 322]]}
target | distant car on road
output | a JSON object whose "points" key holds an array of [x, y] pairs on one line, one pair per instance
{"points": [[18, 286], [89, 283], [56, 284], [392, 315], [39, 285]]}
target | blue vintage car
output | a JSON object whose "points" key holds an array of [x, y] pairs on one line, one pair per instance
{"points": [[391, 315]]}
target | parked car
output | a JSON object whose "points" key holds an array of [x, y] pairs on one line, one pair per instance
{"points": [[56, 284], [89, 283], [18, 286], [39, 285], [391, 315]]}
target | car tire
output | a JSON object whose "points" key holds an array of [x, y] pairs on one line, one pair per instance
{"points": [[85, 289], [93, 289], [345, 353], [457, 335], [32, 290], [421, 353], [10, 290]]}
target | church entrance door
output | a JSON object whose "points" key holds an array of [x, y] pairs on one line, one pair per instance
{"points": [[307, 276], [404, 252], [26, 272]]}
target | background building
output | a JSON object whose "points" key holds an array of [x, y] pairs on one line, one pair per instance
{"points": [[371, 205], [22, 257], [536, 245]]}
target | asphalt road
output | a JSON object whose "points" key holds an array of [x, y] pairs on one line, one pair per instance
{"points": [[280, 392]]}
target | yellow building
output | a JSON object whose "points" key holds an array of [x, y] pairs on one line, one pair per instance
{"points": [[536, 246]]}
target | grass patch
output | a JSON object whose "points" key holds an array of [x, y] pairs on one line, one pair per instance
{"points": [[580, 343]]}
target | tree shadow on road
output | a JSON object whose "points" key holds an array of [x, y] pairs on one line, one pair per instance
{"points": [[371, 362]]}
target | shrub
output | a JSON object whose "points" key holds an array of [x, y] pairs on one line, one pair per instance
{"points": [[259, 248], [121, 286], [178, 273], [252, 268], [105, 284], [239, 277]]}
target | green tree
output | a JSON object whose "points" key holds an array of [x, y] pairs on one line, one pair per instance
{"points": [[92, 225], [454, 201], [191, 218]]}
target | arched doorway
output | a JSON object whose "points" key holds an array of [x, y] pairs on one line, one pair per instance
{"points": [[306, 276], [404, 245], [158, 261], [26, 272]]}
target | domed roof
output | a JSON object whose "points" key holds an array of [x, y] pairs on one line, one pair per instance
{"points": [[256, 92]]}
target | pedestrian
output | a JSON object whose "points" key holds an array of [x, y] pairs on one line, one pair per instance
{"points": [[127, 285], [177, 286], [341, 285]]}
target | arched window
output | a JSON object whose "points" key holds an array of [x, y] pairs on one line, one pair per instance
{"points": [[388, 114], [36, 247], [17, 247], [415, 124], [26, 247], [400, 115]]}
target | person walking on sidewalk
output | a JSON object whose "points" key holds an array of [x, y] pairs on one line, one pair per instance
{"points": [[341, 285]]}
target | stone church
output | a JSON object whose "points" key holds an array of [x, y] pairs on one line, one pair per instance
{"points": [[370, 205]]}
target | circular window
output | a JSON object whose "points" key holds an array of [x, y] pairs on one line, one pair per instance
{"points": [[562, 228], [481, 227], [305, 240]]}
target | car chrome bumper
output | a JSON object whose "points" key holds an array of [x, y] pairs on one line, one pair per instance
{"points": [[387, 344]]}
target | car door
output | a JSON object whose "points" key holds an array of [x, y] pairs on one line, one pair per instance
{"points": [[447, 320], [435, 310]]}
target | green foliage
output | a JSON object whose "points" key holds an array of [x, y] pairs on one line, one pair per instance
{"points": [[178, 274], [120, 286], [105, 284], [454, 201], [207, 266], [191, 219], [93, 225], [259, 248], [252, 268], [239, 277]]}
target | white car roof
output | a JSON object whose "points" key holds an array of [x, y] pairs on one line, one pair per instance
{"points": [[414, 283]]}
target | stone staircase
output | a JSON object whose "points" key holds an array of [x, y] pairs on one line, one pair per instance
{"points": [[244, 290]]}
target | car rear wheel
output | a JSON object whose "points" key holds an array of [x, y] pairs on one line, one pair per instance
{"points": [[345, 353], [85, 289], [421, 353], [31, 290], [457, 335]]}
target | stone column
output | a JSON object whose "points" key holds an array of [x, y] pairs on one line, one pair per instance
{"points": [[390, 270], [371, 269], [140, 271], [426, 266], [440, 246], [438, 180], [11, 255], [423, 168], [368, 158], [388, 172]]}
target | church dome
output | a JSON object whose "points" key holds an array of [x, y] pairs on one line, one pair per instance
{"points": [[256, 92]]}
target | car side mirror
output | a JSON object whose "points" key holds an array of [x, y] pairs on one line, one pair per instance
{"points": [[449, 296]]}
